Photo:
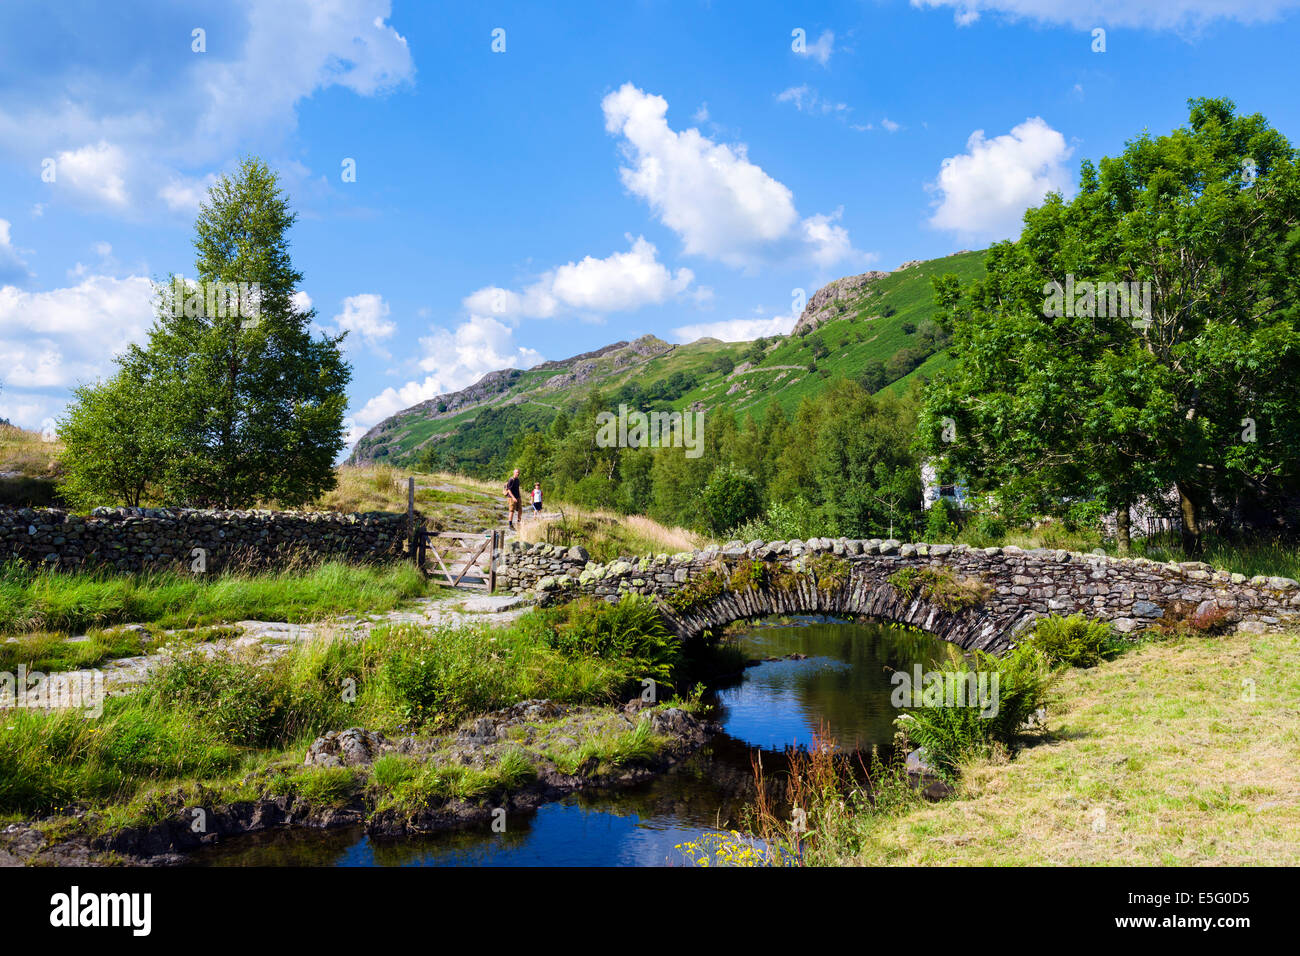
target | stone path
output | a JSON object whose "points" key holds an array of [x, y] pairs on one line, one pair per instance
{"points": [[274, 638]]}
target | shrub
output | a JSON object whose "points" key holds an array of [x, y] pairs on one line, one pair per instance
{"points": [[632, 630], [1074, 641], [784, 521], [731, 497], [939, 587], [241, 702], [1017, 685], [939, 525]]}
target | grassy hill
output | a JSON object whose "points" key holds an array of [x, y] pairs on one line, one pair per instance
{"points": [[875, 318]]}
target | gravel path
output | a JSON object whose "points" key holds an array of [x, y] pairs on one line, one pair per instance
{"points": [[273, 638]]}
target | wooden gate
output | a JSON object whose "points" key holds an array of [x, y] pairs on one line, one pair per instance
{"points": [[464, 560]]}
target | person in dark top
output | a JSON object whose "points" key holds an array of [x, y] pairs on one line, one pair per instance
{"points": [[513, 499]]}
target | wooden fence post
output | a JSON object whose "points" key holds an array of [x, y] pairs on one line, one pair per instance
{"points": [[410, 517], [492, 564]]}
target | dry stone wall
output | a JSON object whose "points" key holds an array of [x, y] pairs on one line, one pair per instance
{"points": [[136, 539], [1020, 586]]}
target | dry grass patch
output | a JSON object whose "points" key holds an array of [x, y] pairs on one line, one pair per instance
{"points": [[28, 454], [1168, 756], [607, 535]]}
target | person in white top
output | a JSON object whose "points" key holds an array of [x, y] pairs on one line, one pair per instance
{"points": [[537, 498]]}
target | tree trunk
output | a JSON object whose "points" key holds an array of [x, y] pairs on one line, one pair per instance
{"points": [[1191, 523], [1123, 533]]}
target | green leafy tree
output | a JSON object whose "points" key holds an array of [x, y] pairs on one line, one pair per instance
{"points": [[731, 497], [1062, 391], [116, 443], [252, 404]]}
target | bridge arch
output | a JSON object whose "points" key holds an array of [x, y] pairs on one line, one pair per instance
{"points": [[974, 597], [845, 592]]}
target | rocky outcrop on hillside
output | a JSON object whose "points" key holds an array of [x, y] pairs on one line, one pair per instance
{"points": [[577, 370], [373, 442], [831, 299]]}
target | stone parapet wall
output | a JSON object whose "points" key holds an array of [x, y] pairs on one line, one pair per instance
{"points": [[1020, 585], [138, 539]]}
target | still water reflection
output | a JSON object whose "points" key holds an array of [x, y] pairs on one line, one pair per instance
{"points": [[841, 684]]}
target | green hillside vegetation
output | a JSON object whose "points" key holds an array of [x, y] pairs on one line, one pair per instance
{"points": [[884, 336]]}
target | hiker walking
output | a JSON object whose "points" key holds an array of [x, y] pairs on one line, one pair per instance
{"points": [[513, 500], [537, 498]]}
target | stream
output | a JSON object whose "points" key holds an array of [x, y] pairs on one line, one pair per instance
{"points": [[841, 686]]}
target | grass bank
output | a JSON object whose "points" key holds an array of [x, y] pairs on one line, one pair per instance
{"points": [[1179, 752], [235, 724], [74, 602]]}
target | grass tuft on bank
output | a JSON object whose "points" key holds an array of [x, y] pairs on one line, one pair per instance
{"points": [[77, 601], [215, 722], [1179, 753]]}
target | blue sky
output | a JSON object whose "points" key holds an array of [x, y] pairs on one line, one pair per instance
{"points": [[677, 168]]}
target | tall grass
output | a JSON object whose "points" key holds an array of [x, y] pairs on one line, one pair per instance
{"points": [[28, 454], [218, 716], [1271, 556], [75, 601], [606, 535]]}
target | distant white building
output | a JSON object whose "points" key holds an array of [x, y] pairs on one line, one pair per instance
{"points": [[954, 495]]}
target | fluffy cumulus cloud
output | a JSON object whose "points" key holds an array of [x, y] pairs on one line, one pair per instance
{"points": [[984, 191], [452, 360], [618, 283], [737, 330], [53, 340], [365, 319], [112, 132], [723, 206], [1150, 14]]}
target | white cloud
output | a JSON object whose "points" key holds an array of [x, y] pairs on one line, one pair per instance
{"points": [[97, 171], [723, 206], [1150, 14], [186, 194], [58, 338], [365, 318], [12, 267], [808, 100], [821, 50], [113, 133], [452, 360], [828, 242], [295, 48], [301, 301], [890, 125], [736, 330], [620, 282], [985, 191]]}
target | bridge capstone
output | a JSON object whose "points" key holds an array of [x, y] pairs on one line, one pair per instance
{"points": [[977, 598]]}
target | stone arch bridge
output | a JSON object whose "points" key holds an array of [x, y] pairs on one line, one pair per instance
{"points": [[977, 598]]}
